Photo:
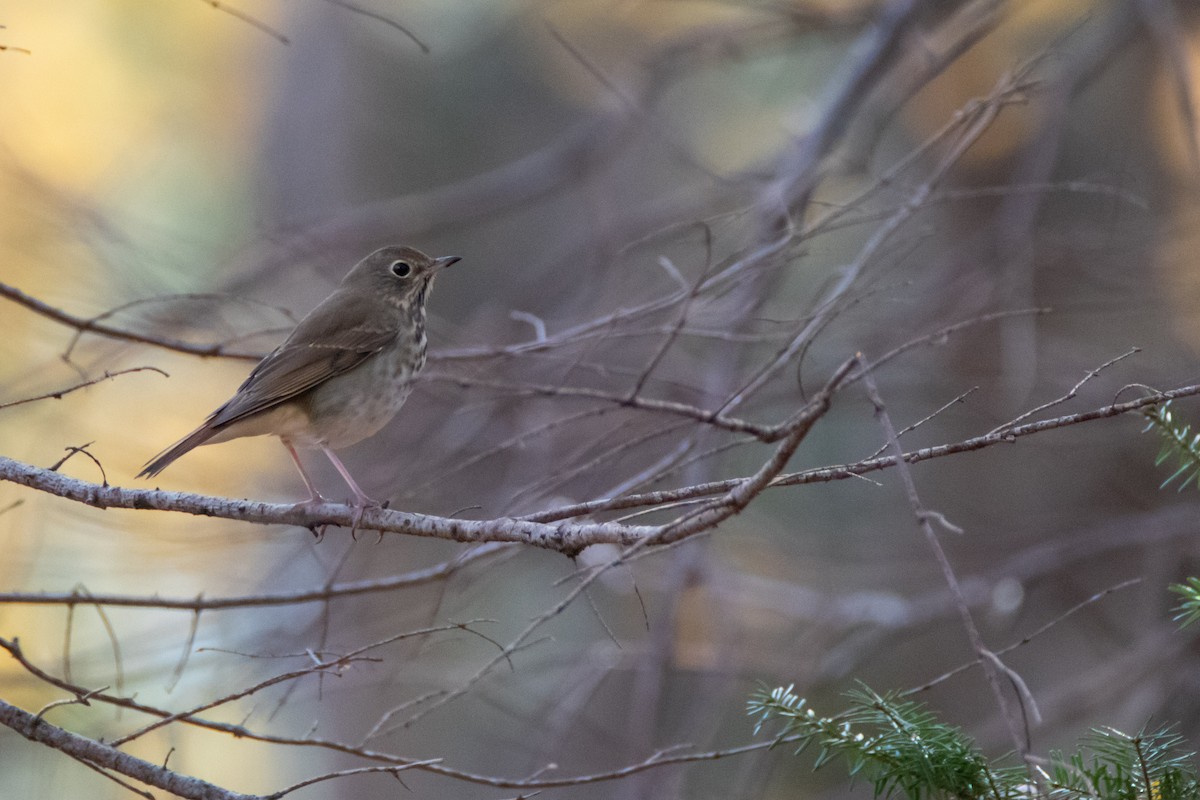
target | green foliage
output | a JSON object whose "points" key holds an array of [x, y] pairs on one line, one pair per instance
{"points": [[1177, 443], [1115, 765], [1187, 611], [903, 749]]}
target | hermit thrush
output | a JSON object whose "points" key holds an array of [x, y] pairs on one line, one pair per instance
{"points": [[342, 373]]}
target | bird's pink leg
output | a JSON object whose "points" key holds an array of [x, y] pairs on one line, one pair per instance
{"points": [[359, 495], [361, 501], [315, 496]]}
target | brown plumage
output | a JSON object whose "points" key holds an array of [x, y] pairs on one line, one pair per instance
{"points": [[342, 373]]}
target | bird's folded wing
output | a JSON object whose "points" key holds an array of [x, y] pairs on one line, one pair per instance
{"points": [[333, 339]]}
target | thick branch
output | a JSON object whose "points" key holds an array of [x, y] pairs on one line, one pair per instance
{"points": [[100, 755], [540, 530], [561, 536]]}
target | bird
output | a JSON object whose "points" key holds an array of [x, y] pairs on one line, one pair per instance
{"points": [[342, 373]]}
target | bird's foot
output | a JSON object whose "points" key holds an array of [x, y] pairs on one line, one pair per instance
{"points": [[318, 531], [361, 504]]}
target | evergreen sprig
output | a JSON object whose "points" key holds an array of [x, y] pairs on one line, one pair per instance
{"points": [[1188, 611], [1177, 442], [903, 749], [1112, 765], [899, 746]]}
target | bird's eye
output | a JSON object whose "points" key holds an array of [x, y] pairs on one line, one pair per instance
{"points": [[401, 269]]}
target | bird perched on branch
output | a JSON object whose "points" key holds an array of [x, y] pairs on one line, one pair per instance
{"points": [[343, 372]]}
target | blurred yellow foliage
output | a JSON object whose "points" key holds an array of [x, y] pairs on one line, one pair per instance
{"points": [[1027, 27]]}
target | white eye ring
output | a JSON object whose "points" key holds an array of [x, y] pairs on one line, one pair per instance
{"points": [[401, 269]]}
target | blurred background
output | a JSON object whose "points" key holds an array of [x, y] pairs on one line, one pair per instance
{"points": [[208, 174]]}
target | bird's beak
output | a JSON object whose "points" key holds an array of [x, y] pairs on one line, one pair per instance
{"points": [[446, 261]]}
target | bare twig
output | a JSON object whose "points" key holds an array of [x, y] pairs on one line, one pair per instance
{"points": [[1028, 637], [717, 419], [249, 20], [58, 393], [111, 332], [988, 658], [81, 449], [669, 340], [334, 591], [826, 474], [375, 15], [347, 772], [1069, 395], [910, 428], [333, 666]]}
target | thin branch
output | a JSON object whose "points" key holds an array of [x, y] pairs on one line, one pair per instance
{"points": [[1070, 394], [910, 428], [187, 296], [670, 338], [987, 657], [1028, 637], [253, 22], [624, 400], [519, 439], [375, 15], [58, 394], [347, 772], [940, 335], [112, 332], [82, 449], [333, 666], [105, 773], [859, 468], [79, 699], [565, 475], [732, 270], [335, 591]]}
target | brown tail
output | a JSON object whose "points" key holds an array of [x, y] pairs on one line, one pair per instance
{"points": [[164, 459]]}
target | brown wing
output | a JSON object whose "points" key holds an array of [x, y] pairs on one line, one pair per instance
{"points": [[335, 337]]}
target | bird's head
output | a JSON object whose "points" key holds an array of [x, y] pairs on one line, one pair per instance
{"points": [[399, 275]]}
